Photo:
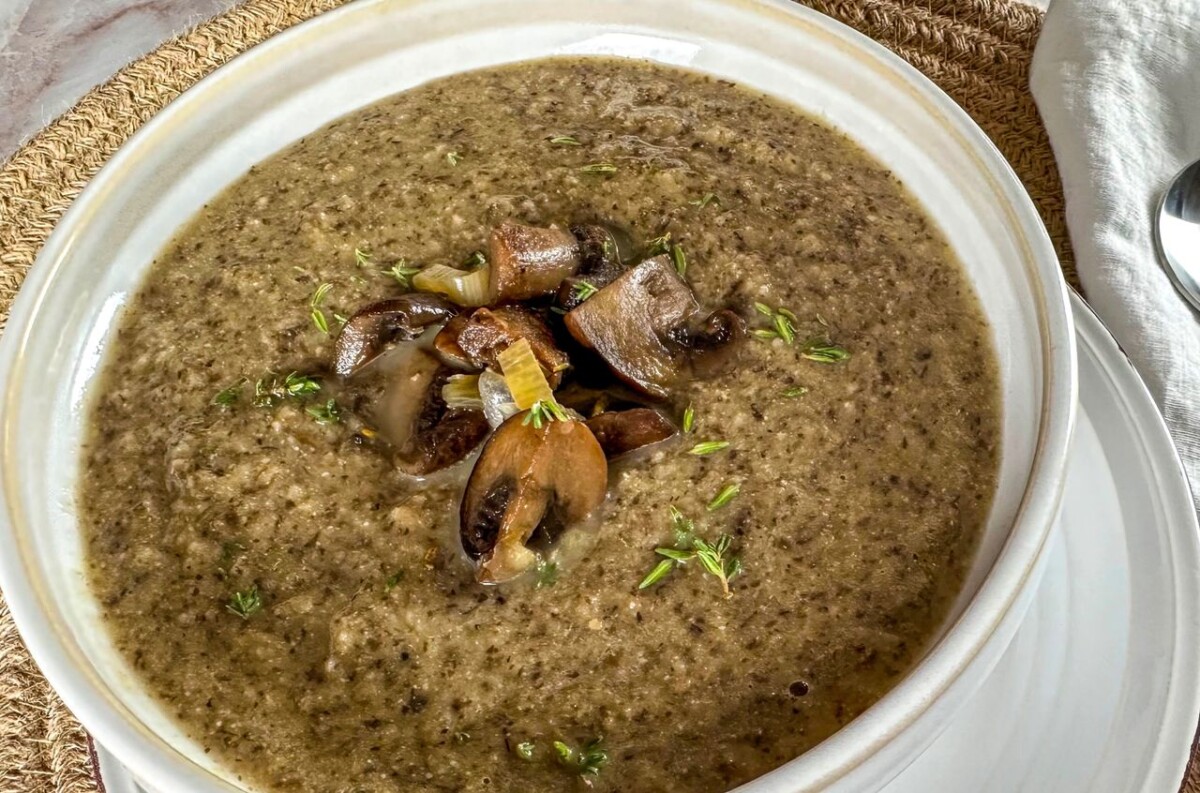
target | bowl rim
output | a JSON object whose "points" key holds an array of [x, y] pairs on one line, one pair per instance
{"points": [[162, 764]]}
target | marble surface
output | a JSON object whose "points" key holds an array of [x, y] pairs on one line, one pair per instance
{"points": [[53, 51]]}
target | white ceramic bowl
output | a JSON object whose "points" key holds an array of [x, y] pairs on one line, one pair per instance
{"points": [[63, 320]]}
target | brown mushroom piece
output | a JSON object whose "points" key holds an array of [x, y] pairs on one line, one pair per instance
{"points": [[630, 322], [478, 340], [371, 329], [600, 264], [528, 480], [622, 431], [713, 345], [528, 261], [410, 414]]}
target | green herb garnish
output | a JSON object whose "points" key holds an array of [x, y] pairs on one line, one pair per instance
{"points": [[824, 351], [402, 273], [318, 316], [476, 260], [727, 494], [298, 385], [705, 200], [679, 258], [583, 290], [565, 140], [586, 761], [362, 258], [708, 447], [782, 324], [689, 418], [228, 397], [547, 574], [524, 750], [714, 557], [268, 392], [543, 412], [659, 245], [795, 391], [606, 168], [245, 603], [453, 157], [392, 581], [329, 413]]}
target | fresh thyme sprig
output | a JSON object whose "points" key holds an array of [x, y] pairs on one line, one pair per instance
{"points": [[705, 200], [585, 761], [229, 396], [453, 157], [727, 494], [402, 273], [314, 303], [679, 258], [583, 290], [329, 413], [823, 351], [714, 557], [658, 246], [708, 447], [782, 323], [543, 412], [269, 391], [547, 574], [795, 391], [245, 603], [525, 749], [689, 418], [362, 258]]}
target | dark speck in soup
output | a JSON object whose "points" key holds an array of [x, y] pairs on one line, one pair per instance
{"points": [[306, 609]]}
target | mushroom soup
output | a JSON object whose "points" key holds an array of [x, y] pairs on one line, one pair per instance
{"points": [[578, 422]]}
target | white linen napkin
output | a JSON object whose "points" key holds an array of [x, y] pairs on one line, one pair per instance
{"points": [[1118, 86]]}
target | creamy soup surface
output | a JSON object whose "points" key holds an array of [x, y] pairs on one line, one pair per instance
{"points": [[306, 611]]}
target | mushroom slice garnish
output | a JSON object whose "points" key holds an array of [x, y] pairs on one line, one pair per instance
{"points": [[528, 262], [600, 265], [371, 329], [487, 332], [412, 416], [445, 345], [713, 344], [622, 431], [528, 478], [629, 324]]}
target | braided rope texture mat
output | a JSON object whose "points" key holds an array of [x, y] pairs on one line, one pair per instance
{"points": [[978, 51]]}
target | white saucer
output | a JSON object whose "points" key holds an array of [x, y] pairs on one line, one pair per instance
{"points": [[1099, 691]]}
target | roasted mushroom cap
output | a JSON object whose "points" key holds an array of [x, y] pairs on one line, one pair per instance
{"points": [[622, 431], [600, 264], [411, 415], [445, 344], [630, 323], [528, 478], [714, 343], [480, 338], [371, 329], [528, 262]]}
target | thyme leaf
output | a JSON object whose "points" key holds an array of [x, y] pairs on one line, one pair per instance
{"points": [[362, 258], [689, 419], [585, 761], [658, 246], [795, 391], [453, 157], [524, 750], [245, 603], [708, 447], [547, 574], [679, 258], [329, 413], [714, 558], [824, 351], [229, 396], [543, 412], [474, 261], [705, 200], [727, 494], [314, 303], [565, 140], [583, 290], [605, 168], [402, 273]]}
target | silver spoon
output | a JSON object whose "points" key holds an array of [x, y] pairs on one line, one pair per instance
{"points": [[1177, 232]]}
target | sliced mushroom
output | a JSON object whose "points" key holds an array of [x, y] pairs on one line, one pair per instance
{"points": [[622, 431], [629, 324], [479, 339], [528, 480], [713, 344], [600, 264], [371, 329], [445, 344], [411, 415], [528, 262]]}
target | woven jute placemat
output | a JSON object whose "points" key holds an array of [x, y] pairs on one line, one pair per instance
{"points": [[978, 51]]}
